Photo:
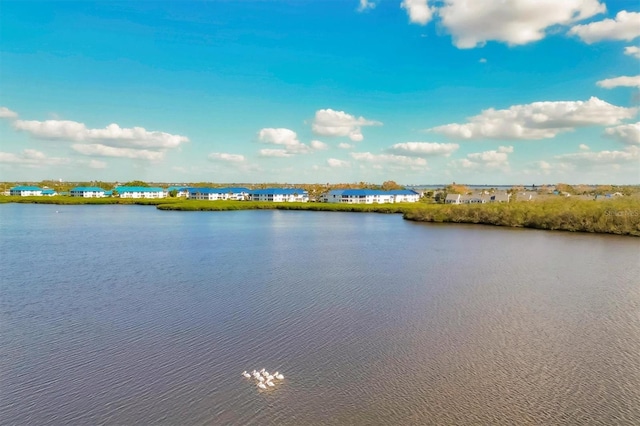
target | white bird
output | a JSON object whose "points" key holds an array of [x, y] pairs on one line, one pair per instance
{"points": [[265, 373], [245, 374], [269, 377], [261, 385], [270, 383], [279, 376], [261, 379]]}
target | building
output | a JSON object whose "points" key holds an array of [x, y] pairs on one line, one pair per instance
{"points": [[405, 196], [87, 192], [213, 194], [140, 192], [500, 197], [279, 195], [47, 192], [333, 196], [181, 191], [453, 199], [366, 196], [26, 191]]}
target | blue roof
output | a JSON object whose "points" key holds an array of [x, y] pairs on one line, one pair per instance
{"points": [[108, 192], [48, 191], [177, 188], [138, 189], [403, 192], [87, 189], [362, 192], [278, 191], [26, 188]]}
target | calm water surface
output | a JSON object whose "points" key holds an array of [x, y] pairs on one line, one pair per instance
{"points": [[130, 315]]}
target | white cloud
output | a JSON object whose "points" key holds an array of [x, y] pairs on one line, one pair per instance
{"points": [[344, 145], [328, 122], [626, 133], [493, 159], [632, 51], [420, 149], [319, 145], [380, 159], [275, 153], [112, 135], [538, 120], [623, 81], [418, 10], [583, 147], [230, 158], [31, 158], [628, 155], [366, 5], [335, 163], [100, 150], [278, 136], [544, 166], [7, 113], [515, 22], [625, 26]]}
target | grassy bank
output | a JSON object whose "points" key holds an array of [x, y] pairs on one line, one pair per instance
{"points": [[620, 216]]}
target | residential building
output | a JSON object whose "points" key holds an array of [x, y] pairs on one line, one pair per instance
{"points": [[26, 191], [181, 191], [48, 192], [453, 199], [87, 192], [140, 192], [279, 195], [212, 194], [405, 196]]}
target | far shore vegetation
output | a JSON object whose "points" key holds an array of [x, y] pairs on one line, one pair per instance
{"points": [[619, 215]]}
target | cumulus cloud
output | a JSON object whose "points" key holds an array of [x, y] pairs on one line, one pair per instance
{"points": [[7, 113], [101, 150], [611, 158], [399, 160], [318, 145], [31, 158], [632, 51], [422, 149], [493, 159], [344, 145], [625, 133], [623, 81], [625, 26], [418, 10], [515, 22], [366, 5], [229, 158], [328, 122], [113, 135], [280, 153], [583, 147], [335, 163], [538, 120]]}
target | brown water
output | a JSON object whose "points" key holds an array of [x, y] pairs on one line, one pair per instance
{"points": [[129, 315]]}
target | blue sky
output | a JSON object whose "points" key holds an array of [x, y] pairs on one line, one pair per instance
{"points": [[415, 91]]}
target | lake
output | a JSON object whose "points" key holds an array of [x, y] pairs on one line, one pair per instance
{"points": [[122, 314]]}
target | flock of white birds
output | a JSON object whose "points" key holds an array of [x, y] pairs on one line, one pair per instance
{"points": [[264, 379]]}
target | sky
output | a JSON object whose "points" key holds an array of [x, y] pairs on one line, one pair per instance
{"points": [[326, 91]]}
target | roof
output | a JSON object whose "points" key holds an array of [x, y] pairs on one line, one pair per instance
{"points": [[177, 188], [122, 189], [363, 192], [278, 191], [87, 189], [452, 197], [48, 191], [403, 192], [26, 188]]}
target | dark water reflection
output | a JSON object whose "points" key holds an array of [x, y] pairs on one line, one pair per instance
{"points": [[129, 315]]}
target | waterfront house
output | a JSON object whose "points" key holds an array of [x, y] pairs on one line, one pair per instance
{"points": [[87, 192], [48, 192], [500, 197], [140, 192], [333, 196], [279, 195], [26, 191], [366, 196], [405, 196], [452, 199], [213, 194], [181, 191]]}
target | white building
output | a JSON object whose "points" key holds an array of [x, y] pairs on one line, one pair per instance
{"points": [[26, 191], [140, 192], [453, 199], [213, 194], [87, 192], [280, 195]]}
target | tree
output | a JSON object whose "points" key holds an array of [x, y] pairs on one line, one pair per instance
{"points": [[390, 185], [173, 193], [136, 183]]}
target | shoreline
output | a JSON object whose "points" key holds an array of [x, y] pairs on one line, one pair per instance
{"points": [[618, 217]]}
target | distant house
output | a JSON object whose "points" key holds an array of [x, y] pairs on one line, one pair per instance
{"points": [[140, 192], [333, 196], [366, 196], [108, 193], [213, 194], [279, 195], [453, 199], [87, 192], [26, 191], [47, 192], [405, 196], [500, 197]]}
